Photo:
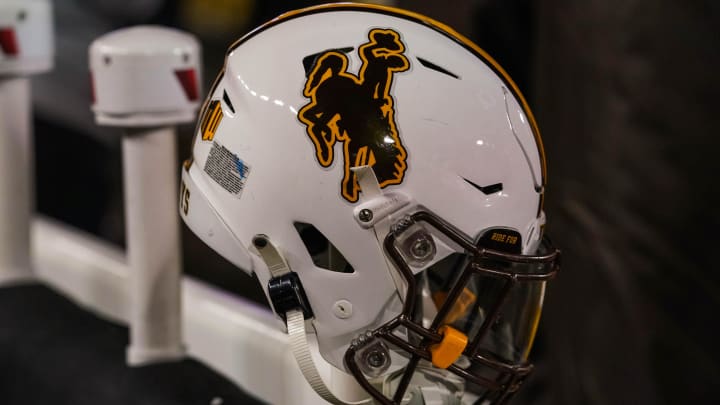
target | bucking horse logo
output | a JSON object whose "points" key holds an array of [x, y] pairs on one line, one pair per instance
{"points": [[358, 110]]}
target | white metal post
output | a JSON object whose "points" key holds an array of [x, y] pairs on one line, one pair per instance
{"points": [[146, 81], [26, 48], [153, 244], [16, 176], [239, 339]]}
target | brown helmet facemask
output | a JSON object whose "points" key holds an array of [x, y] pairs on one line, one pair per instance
{"points": [[487, 309]]}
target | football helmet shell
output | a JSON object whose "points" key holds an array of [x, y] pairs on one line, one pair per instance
{"points": [[308, 97]]}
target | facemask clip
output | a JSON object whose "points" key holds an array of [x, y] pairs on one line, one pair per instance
{"points": [[414, 242]]}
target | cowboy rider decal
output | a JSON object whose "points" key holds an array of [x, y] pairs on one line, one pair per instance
{"points": [[358, 110]]}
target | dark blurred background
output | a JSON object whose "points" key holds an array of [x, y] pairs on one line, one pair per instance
{"points": [[625, 93]]}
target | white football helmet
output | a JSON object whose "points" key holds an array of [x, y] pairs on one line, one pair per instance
{"points": [[383, 177]]}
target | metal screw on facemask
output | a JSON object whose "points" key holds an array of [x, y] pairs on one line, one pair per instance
{"points": [[373, 356], [421, 249], [376, 359], [365, 215]]}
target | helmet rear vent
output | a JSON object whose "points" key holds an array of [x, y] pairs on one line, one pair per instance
{"points": [[437, 68], [487, 190], [309, 61], [323, 253], [227, 101]]}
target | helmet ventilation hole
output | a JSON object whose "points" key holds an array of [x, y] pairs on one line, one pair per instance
{"points": [[437, 68], [227, 101], [323, 253], [309, 61]]}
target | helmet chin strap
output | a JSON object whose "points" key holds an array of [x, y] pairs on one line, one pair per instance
{"points": [[295, 314], [431, 394], [295, 319]]}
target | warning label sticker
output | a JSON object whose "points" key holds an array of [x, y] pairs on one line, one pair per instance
{"points": [[228, 170]]}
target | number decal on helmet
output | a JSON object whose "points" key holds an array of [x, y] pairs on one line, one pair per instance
{"points": [[358, 110], [184, 198], [211, 120]]}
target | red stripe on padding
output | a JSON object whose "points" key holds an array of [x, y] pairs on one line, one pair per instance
{"points": [[188, 80], [8, 42]]}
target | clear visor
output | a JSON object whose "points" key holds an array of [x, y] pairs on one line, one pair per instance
{"points": [[508, 323], [486, 295]]}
